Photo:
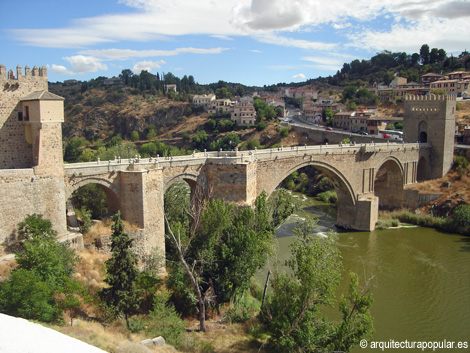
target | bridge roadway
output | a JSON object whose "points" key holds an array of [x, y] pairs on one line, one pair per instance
{"points": [[363, 175]]}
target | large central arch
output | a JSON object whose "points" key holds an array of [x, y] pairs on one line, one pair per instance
{"points": [[346, 204]]}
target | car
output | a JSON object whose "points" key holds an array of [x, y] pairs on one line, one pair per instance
{"points": [[363, 133], [328, 128]]}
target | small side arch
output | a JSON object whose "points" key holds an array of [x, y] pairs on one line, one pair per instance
{"points": [[191, 179], [389, 183], [112, 193]]}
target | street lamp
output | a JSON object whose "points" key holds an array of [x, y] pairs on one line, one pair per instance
{"points": [[128, 151], [119, 151], [293, 137]]}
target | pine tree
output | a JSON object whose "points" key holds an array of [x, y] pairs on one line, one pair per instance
{"points": [[122, 295]]}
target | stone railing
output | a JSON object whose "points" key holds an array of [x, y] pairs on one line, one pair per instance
{"points": [[231, 157]]}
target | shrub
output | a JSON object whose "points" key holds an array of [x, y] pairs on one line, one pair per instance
{"points": [[328, 196], [460, 164], [284, 131], [134, 136], [462, 215], [261, 126]]}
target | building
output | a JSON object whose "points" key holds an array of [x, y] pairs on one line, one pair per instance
{"points": [[244, 112], [112, 81], [458, 87], [428, 78], [204, 100], [220, 105], [376, 123], [171, 88]]}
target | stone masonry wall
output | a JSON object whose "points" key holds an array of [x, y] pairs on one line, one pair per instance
{"points": [[15, 152]]}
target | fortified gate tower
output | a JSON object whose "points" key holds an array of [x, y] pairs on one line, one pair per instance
{"points": [[431, 119], [31, 163]]}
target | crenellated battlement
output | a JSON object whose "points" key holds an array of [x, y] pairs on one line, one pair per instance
{"points": [[431, 97], [28, 74]]}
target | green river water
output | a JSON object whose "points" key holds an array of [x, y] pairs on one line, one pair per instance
{"points": [[421, 277]]}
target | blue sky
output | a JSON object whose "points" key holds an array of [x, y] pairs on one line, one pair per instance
{"points": [[253, 42]]}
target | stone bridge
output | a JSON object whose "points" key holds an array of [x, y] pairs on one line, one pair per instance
{"points": [[364, 176]]}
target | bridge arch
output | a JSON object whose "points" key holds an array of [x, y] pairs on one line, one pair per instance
{"points": [[191, 179], [113, 197], [424, 169], [336, 177], [346, 204], [389, 183]]}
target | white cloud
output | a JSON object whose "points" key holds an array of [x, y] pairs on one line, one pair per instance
{"points": [[219, 36], [299, 77], [256, 51], [125, 54], [452, 35], [147, 66], [82, 64], [178, 69], [296, 43], [60, 70], [409, 24]]}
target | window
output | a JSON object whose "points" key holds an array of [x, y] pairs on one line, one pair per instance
{"points": [[20, 116], [26, 110]]}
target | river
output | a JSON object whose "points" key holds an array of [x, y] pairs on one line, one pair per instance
{"points": [[421, 277]]}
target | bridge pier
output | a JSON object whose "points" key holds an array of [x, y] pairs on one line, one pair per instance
{"points": [[142, 206], [361, 216]]}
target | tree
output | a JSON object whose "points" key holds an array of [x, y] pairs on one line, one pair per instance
{"points": [[291, 314], [43, 276], [34, 226], [424, 54], [122, 295], [73, 149], [134, 136], [219, 246]]}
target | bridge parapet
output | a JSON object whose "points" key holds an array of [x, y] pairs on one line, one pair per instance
{"points": [[231, 157]]}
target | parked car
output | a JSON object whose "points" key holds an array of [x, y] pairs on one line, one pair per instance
{"points": [[363, 133], [328, 128]]}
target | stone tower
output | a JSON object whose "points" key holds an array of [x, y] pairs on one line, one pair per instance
{"points": [[31, 164], [431, 119]]}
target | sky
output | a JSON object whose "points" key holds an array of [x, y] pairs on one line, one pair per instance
{"points": [[252, 42]]}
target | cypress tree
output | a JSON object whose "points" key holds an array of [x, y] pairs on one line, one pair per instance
{"points": [[122, 295]]}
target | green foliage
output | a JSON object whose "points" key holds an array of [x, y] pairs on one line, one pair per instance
{"points": [[226, 143], [444, 224], [26, 295], [398, 126], [225, 250], [92, 198], [86, 220], [34, 226], [73, 149], [357, 321], [261, 126], [390, 127], [284, 131], [41, 286], [328, 196], [122, 295], [346, 141], [462, 215], [461, 164], [199, 140], [292, 313], [134, 136]]}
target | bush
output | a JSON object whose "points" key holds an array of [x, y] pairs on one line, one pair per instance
{"points": [[328, 196], [462, 215], [284, 131], [461, 164], [134, 136], [261, 126]]}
